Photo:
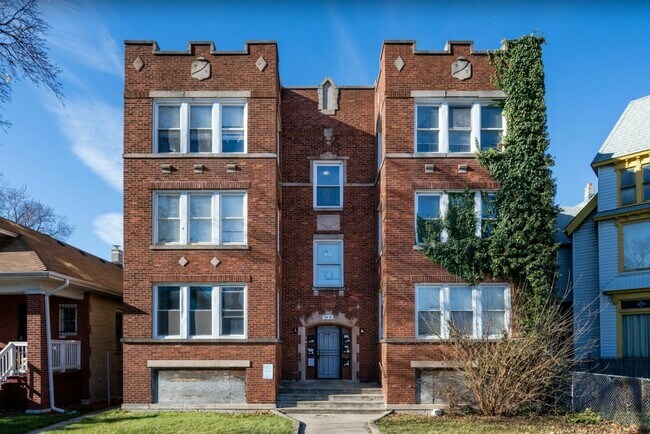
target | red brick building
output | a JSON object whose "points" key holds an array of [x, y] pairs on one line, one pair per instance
{"points": [[270, 231]]}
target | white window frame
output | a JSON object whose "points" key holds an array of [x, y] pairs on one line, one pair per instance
{"points": [[184, 317], [479, 208], [443, 208], [380, 318], [443, 122], [315, 264], [184, 212], [76, 319], [380, 232], [481, 128], [477, 310], [315, 166], [185, 104]]}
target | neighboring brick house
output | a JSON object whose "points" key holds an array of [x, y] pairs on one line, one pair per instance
{"points": [[85, 309], [270, 231]]}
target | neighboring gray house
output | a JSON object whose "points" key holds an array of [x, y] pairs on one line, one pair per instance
{"points": [[611, 245]]}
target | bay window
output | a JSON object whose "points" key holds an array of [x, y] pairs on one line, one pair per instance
{"points": [[201, 217], [196, 126], [199, 311], [479, 312], [448, 126]]}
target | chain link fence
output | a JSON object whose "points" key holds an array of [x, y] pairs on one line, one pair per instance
{"points": [[625, 400]]}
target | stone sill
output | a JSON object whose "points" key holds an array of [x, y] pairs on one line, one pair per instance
{"points": [[198, 364], [198, 247], [435, 364]]}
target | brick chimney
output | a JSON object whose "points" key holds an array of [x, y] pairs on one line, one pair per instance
{"points": [[117, 255], [589, 192]]}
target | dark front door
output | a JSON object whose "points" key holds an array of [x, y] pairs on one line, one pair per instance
{"points": [[22, 322], [329, 352]]}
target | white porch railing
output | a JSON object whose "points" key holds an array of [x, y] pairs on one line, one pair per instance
{"points": [[66, 355], [13, 359]]}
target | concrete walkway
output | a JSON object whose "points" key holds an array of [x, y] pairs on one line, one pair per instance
{"points": [[335, 423]]}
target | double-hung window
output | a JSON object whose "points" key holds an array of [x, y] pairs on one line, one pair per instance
{"points": [[457, 126], [328, 263], [478, 312], [636, 245], [460, 129], [491, 126], [202, 217], [488, 213], [646, 182], [199, 311], [67, 319], [210, 126], [328, 185], [428, 208], [628, 186]]}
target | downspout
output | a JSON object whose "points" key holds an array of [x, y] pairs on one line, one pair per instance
{"points": [[48, 340]]}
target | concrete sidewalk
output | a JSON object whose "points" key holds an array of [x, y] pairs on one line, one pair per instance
{"points": [[335, 423]]}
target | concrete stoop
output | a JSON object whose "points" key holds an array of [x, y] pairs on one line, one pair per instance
{"points": [[327, 396]]}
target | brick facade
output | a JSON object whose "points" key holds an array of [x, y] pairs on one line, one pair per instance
{"points": [[287, 133]]}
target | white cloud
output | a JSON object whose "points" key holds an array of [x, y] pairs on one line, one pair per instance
{"points": [[108, 227], [94, 131], [78, 33]]}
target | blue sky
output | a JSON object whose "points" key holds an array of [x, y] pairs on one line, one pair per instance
{"points": [[69, 156]]}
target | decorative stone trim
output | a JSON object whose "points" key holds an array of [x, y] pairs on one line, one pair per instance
{"points": [[457, 94], [436, 364], [198, 364], [447, 185], [199, 185], [249, 341], [200, 94], [203, 278], [328, 97], [328, 236]]}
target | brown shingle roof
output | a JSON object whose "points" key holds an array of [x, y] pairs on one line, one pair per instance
{"points": [[34, 251]]}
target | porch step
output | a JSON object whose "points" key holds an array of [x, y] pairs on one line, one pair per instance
{"points": [[376, 405], [374, 397], [331, 410], [325, 396]]}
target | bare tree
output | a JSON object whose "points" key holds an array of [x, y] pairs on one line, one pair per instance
{"points": [[23, 53], [17, 205]]}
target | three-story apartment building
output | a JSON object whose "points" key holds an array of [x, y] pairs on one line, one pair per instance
{"points": [[270, 231]]}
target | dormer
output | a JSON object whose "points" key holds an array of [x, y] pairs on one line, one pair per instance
{"points": [[328, 97]]}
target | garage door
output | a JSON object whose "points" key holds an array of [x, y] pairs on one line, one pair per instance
{"points": [[200, 386]]}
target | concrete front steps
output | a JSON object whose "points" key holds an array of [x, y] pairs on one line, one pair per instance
{"points": [[330, 396]]}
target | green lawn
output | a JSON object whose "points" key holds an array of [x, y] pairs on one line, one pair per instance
{"points": [[15, 423], [464, 425], [119, 421]]}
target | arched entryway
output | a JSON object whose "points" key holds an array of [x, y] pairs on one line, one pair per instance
{"points": [[328, 347]]}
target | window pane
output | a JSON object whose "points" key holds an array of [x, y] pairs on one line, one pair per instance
{"points": [[328, 253], [232, 141], [491, 117], [429, 323], [200, 323], [328, 274], [200, 140], [169, 323], [169, 141], [200, 116], [169, 231], [493, 298], [461, 298], [459, 141], [463, 322], [232, 326], [200, 205], [636, 245], [200, 231], [168, 206], [646, 174], [232, 231], [232, 298], [494, 322], [232, 116], [646, 192], [427, 117], [201, 297], [232, 205], [428, 206], [460, 117], [488, 206], [490, 139], [328, 196], [200, 310], [627, 177], [169, 117], [427, 141], [636, 335], [328, 175], [169, 297], [232, 311], [429, 298], [628, 195]]}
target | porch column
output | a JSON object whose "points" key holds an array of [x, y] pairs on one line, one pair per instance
{"points": [[37, 382]]}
